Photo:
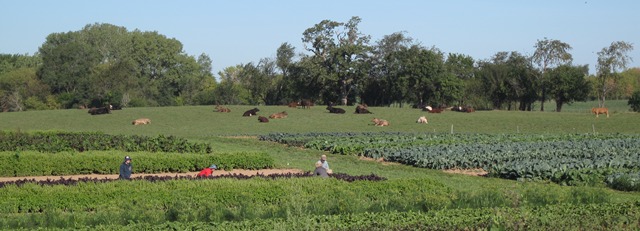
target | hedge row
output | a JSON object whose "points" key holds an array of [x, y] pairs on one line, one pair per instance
{"points": [[91, 141], [33, 163], [610, 216]]}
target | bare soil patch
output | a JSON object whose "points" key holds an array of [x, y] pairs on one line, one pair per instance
{"points": [[470, 172], [379, 160], [115, 176]]}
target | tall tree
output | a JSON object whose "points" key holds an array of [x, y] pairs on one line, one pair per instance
{"points": [[549, 53], [611, 60], [568, 84], [385, 85], [341, 52]]}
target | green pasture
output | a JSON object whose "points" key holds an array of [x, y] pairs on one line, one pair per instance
{"points": [[202, 123], [231, 132]]}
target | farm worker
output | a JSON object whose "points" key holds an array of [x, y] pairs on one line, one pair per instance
{"points": [[325, 163], [126, 169], [320, 171], [207, 171]]}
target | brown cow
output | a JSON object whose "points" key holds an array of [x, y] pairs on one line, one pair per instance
{"points": [[222, 109], [600, 110], [141, 121], [280, 115], [263, 119], [380, 122], [362, 109], [294, 104], [305, 103]]}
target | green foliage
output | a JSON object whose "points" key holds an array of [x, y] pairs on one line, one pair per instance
{"points": [[564, 159], [66, 141], [30, 163], [634, 101]]}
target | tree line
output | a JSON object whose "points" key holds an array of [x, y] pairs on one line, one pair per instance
{"points": [[106, 64]]}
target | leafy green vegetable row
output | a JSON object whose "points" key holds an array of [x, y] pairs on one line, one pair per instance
{"points": [[32, 163], [88, 141], [609, 216]]}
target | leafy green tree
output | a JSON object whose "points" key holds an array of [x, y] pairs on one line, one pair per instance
{"points": [[569, 84], [522, 81], [462, 67], [283, 89], [508, 79], [230, 90], [493, 76], [611, 60], [385, 84], [342, 53], [9, 62], [549, 53], [20, 90]]}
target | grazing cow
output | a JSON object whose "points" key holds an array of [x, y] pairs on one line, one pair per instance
{"points": [[141, 121], [362, 109], [335, 110], [251, 112], [263, 119], [280, 115], [422, 120], [380, 122], [222, 109], [305, 103], [115, 107], [99, 111], [600, 110]]}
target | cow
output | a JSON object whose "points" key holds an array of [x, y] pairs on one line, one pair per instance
{"points": [[279, 115], [380, 122], [362, 109], [222, 109], [335, 110], [99, 111], [432, 109], [467, 109], [294, 104], [305, 103], [263, 119], [422, 120], [141, 121], [251, 112], [600, 110]]}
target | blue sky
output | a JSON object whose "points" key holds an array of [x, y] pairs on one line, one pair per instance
{"points": [[243, 31]]}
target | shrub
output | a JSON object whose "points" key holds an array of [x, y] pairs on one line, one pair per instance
{"points": [[634, 101]]}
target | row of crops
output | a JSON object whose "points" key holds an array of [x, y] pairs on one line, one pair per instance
{"points": [[574, 159], [275, 202]]}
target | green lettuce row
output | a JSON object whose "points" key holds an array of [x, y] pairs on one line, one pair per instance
{"points": [[32, 163], [90, 141]]}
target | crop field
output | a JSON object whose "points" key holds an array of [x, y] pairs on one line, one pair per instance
{"points": [[544, 170]]}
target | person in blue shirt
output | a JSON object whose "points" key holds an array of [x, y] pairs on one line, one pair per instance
{"points": [[126, 169]]}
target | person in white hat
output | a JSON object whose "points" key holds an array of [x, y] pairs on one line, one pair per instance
{"points": [[126, 169]]}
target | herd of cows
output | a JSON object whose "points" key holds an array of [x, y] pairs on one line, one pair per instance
{"points": [[304, 104]]}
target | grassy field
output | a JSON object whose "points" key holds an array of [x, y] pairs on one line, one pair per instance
{"points": [[230, 132], [201, 122]]}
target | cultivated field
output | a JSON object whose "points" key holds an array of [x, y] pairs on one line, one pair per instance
{"points": [[410, 198]]}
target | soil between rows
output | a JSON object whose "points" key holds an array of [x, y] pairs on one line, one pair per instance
{"points": [[115, 176]]}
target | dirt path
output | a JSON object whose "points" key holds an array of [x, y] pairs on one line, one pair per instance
{"points": [[115, 176]]}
